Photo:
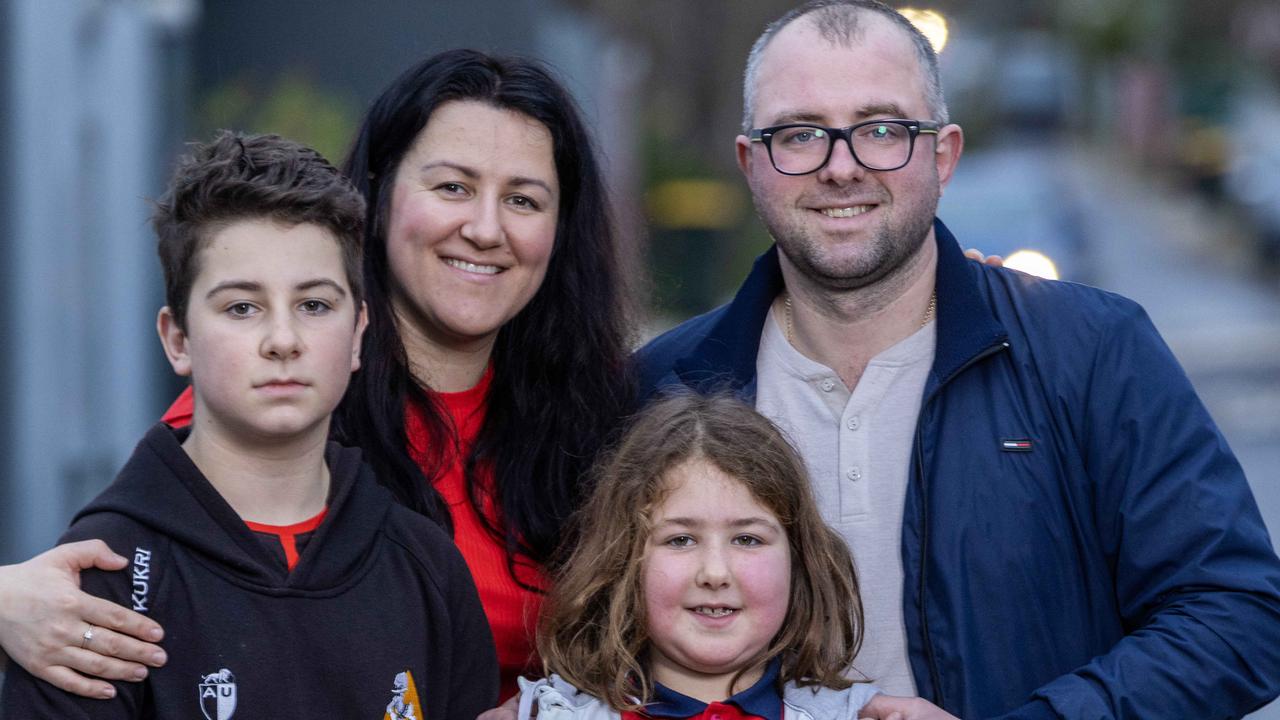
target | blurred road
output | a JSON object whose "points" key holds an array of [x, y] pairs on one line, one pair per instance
{"points": [[1167, 250]]}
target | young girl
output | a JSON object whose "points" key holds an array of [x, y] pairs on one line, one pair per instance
{"points": [[705, 583]]}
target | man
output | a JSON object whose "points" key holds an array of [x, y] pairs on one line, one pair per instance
{"points": [[1046, 521]]}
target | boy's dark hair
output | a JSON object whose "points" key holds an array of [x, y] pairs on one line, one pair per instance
{"points": [[238, 177]]}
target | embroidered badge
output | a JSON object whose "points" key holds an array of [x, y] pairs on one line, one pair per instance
{"points": [[218, 695], [404, 703], [1016, 445]]}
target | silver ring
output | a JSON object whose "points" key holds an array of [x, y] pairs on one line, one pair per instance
{"points": [[86, 638]]}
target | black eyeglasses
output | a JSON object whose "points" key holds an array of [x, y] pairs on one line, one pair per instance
{"points": [[801, 148]]}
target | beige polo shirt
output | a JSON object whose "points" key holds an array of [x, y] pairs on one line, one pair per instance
{"points": [[857, 446]]}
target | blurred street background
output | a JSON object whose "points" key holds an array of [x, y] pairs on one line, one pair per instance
{"points": [[1129, 144]]}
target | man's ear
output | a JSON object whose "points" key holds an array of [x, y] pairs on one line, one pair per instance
{"points": [[362, 322], [742, 145], [947, 152], [174, 340]]}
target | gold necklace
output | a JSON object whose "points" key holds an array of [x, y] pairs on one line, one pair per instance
{"points": [[928, 313]]}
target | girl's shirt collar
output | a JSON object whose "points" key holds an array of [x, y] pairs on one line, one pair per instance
{"points": [[761, 701]]}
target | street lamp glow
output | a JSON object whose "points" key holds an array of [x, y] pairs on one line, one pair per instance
{"points": [[931, 23], [1032, 262]]}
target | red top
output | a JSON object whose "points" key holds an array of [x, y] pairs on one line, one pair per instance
{"points": [[511, 609], [290, 536], [180, 412]]}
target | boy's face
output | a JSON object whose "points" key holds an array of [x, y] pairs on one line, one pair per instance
{"points": [[272, 332]]}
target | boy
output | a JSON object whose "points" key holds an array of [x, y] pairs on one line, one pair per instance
{"points": [[288, 581]]}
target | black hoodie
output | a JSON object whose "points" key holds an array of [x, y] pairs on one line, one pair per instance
{"points": [[379, 612]]}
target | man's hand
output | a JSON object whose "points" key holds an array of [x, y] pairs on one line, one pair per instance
{"points": [[506, 711], [992, 260], [44, 617], [890, 707]]}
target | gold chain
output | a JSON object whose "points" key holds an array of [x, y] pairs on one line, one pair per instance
{"points": [[928, 313]]}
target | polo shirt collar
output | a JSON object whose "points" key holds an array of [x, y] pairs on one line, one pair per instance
{"points": [[761, 700]]}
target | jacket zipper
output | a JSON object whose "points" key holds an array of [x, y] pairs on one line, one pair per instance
{"points": [[930, 658]]}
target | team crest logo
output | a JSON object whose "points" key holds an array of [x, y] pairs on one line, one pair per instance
{"points": [[404, 703], [218, 695]]}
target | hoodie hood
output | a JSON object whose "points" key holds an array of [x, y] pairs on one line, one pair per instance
{"points": [[162, 489]]}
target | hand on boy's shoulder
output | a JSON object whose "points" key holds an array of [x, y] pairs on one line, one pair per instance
{"points": [[47, 601], [892, 707], [133, 586]]}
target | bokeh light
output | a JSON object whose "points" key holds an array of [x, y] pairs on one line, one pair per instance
{"points": [[1032, 262], [930, 22]]}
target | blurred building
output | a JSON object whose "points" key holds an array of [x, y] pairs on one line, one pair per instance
{"points": [[99, 96], [89, 113]]}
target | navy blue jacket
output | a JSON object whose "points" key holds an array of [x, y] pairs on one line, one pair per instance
{"points": [[1115, 567]]}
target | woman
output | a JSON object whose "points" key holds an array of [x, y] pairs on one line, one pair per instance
{"points": [[494, 365], [492, 272]]}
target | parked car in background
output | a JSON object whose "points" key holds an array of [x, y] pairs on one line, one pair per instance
{"points": [[1006, 201], [1252, 179]]}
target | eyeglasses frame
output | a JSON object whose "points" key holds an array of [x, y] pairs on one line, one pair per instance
{"points": [[914, 128]]}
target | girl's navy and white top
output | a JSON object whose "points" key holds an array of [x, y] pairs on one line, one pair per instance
{"points": [[555, 699]]}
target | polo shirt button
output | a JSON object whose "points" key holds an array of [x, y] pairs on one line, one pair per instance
{"points": [[853, 423], [854, 474], [828, 385]]}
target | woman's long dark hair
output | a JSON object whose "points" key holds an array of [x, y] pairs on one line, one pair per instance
{"points": [[560, 380]]}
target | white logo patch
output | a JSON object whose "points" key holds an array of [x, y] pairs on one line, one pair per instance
{"points": [[218, 695]]}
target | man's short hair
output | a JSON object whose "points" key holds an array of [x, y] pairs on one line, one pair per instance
{"points": [[838, 23], [237, 177]]}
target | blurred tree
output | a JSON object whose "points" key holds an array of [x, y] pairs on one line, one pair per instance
{"points": [[291, 105], [693, 112]]}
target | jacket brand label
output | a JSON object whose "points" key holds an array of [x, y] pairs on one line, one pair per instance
{"points": [[1016, 445], [141, 579]]}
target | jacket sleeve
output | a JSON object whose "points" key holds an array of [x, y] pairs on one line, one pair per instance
{"points": [[25, 696], [1197, 580]]}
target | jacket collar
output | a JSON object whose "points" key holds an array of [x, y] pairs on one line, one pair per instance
{"points": [[727, 355], [967, 327]]}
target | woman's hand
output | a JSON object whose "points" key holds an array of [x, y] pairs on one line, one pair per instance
{"points": [[890, 707], [44, 617]]}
